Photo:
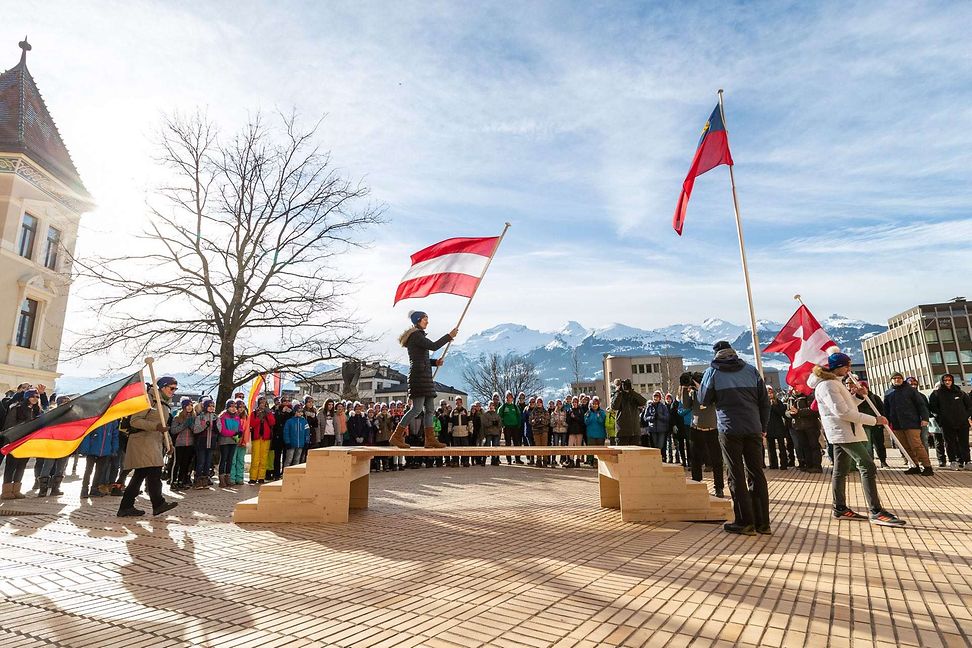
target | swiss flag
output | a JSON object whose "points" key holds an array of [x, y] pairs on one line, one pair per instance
{"points": [[805, 343]]}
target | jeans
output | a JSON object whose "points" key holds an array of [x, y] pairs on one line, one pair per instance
{"points": [[426, 407], [53, 467], [875, 435], [226, 452], [845, 455], [492, 441], [705, 445], [204, 462], [292, 456], [99, 467], [153, 486], [743, 454], [13, 472]]}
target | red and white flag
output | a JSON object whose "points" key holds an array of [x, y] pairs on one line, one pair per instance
{"points": [[805, 343], [454, 266]]}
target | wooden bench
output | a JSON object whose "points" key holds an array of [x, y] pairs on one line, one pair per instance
{"points": [[335, 480]]}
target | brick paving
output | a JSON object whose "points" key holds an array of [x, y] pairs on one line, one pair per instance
{"points": [[498, 556]]}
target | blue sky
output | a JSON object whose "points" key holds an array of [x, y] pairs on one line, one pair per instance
{"points": [[577, 123]]}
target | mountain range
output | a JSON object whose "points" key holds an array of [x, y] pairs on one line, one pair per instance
{"points": [[552, 352]]}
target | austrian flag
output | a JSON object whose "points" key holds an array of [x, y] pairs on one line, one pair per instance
{"points": [[454, 266], [805, 343]]}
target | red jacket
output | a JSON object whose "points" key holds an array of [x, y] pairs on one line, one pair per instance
{"points": [[261, 427]]}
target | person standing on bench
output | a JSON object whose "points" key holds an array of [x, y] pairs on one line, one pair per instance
{"points": [[421, 388]]}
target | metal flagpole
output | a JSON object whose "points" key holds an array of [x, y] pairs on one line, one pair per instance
{"points": [[757, 351], [466, 309]]}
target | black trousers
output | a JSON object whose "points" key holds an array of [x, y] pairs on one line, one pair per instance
{"points": [[956, 443], [183, 464], [512, 436], [810, 447], [743, 454], [875, 435], [705, 449], [153, 486], [780, 451]]}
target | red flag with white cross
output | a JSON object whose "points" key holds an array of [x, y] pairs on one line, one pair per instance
{"points": [[805, 343]]}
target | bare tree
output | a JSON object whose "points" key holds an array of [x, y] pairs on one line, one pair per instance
{"points": [[495, 373], [577, 369], [240, 275]]}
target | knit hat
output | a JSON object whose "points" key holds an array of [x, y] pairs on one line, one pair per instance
{"points": [[31, 393], [230, 403], [416, 316], [838, 360], [721, 345], [185, 400], [165, 381], [897, 374], [206, 401]]}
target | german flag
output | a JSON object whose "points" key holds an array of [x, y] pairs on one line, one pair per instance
{"points": [[58, 432]]}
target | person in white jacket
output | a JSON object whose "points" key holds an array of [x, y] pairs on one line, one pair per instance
{"points": [[843, 426]]}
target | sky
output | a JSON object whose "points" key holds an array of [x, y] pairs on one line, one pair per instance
{"points": [[575, 122]]}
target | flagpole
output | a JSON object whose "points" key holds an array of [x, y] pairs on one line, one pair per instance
{"points": [[742, 250], [166, 441], [468, 303]]}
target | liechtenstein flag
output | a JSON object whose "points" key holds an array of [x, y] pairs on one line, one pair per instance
{"points": [[713, 150]]}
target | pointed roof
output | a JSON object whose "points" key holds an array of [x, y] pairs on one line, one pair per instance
{"points": [[26, 126]]}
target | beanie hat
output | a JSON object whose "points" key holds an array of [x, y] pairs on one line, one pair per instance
{"points": [[721, 345], [185, 400], [416, 316], [838, 360], [31, 393], [165, 381], [230, 403], [206, 401], [910, 378]]}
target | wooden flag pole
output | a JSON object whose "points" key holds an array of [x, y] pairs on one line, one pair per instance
{"points": [[166, 441], [469, 302], [757, 351]]}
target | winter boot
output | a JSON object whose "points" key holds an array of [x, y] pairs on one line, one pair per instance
{"points": [[42, 486], [430, 440], [56, 486], [7, 492], [398, 438], [16, 491]]}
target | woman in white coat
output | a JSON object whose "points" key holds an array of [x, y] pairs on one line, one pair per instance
{"points": [[843, 426]]}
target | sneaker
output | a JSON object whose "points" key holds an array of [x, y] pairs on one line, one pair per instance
{"points": [[953, 465], [167, 506], [130, 512], [847, 514], [927, 472], [914, 470], [883, 518], [739, 529], [766, 530]]}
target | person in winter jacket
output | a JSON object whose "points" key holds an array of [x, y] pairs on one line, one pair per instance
{"points": [[340, 423], [97, 449], [843, 425], [779, 447], [492, 428], [25, 409], [704, 434], [576, 429], [205, 437], [512, 419], [805, 428], [182, 440], [952, 408], [262, 422], [908, 414], [655, 425], [595, 422], [627, 403], [230, 428], [540, 430], [282, 413], [313, 425], [460, 422], [296, 434], [875, 433], [742, 413], [421, 387], [144, 454]]}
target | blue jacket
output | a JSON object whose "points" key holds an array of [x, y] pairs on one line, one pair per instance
{"points": [[905, 407], [656, 417], [739, 395], [295, 432], [595, 420], [102, 442]]}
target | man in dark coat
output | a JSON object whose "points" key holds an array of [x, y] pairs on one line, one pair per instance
{"points": [[952, 407], [907, 413], [779, 447], [421, 388], [742, 415], [626, 403], [23, 409]]}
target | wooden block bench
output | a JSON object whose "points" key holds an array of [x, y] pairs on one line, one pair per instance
{"points": [[335, 480]]}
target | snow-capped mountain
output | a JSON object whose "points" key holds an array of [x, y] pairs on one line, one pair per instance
{"points": [[553, 351]]}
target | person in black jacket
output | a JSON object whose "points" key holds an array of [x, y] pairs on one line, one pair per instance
{"points": [[281, 414], [24, 409], [806, 427], [779, 447], [952, 407], [421, 387], [908, 414]]}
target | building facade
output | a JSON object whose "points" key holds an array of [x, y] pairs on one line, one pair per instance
{"points": [[42, 199], [646, 373], [925, 342], [590, 388], [376, 384]]}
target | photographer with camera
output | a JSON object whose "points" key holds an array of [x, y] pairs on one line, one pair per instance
{"points": [[627, 403], [703, 435]]}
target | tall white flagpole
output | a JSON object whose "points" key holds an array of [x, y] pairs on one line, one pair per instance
{"points": [[468, 303], [757, 351]]}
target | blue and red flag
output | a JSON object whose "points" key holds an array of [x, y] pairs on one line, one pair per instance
{"points": [[713, 150]]}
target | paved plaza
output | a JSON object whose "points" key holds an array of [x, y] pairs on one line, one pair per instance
{"points": [[496, 556]]}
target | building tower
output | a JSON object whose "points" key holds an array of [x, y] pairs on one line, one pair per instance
{"points": [[42, 199]]}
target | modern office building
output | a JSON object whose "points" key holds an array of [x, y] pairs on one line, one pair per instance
{"points": [[646, 372], [42, 199], [925, 342]]}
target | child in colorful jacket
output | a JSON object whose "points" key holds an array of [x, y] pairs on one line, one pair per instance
{"points": [[205, 436], [98, 448], [262, 421], [230, 432], [295, 435]]}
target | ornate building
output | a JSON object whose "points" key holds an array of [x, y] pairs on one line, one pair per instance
{"points": [[42, 199]]}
